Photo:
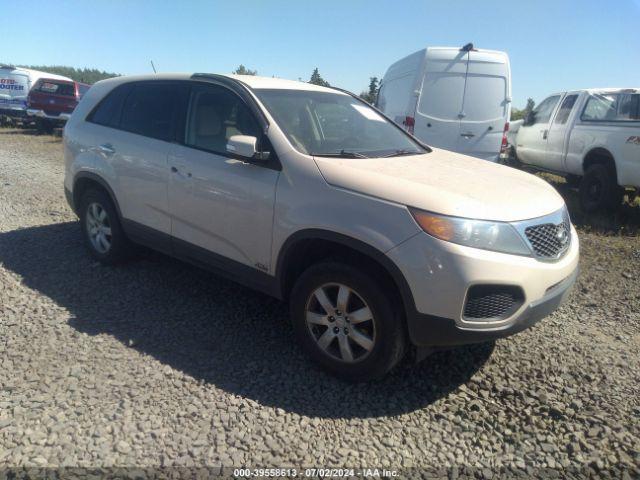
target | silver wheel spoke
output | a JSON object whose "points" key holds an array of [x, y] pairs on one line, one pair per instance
{"points": [[317, 319], [343, 298], [324, 300], [345, 348], [326, 338], [102, 240], [102, 215], [106, 230], [361, 339], [361, 315]]}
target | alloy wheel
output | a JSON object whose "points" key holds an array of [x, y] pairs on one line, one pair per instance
{"points": [[98, 227], [340, 322]]}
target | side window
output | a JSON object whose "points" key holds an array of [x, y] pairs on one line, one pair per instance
{"points": [[108, 111], [150, 110], [614, 107], [542, 113], [215, 114], [565, 109]]}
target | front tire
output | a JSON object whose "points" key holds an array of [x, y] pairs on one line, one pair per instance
{"points": [[347, 322], [599, 189], [101, 230]]}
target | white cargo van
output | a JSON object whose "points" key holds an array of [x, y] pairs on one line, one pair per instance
{"points": [[15, 84], [458, 99]]}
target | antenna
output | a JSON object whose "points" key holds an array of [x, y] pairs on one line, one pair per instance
{"points": [[153, 66]]}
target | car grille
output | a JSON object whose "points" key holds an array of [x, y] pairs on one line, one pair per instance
{"points": [[549, 240], [492, 302]]}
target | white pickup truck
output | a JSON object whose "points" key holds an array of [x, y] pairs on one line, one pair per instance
{"points": [[591, 137]]}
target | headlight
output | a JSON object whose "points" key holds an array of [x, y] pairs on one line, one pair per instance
{"points": [[487, 235]]}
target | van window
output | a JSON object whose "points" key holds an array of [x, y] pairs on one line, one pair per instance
{"points": [[215, 114], [542, 113], [108, 111], [484, 98], [149, 110], [394, 95], [442, 95], [565, 109], [612, 107]]}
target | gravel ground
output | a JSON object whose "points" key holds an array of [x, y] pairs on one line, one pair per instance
{"points": [[157, 363]]}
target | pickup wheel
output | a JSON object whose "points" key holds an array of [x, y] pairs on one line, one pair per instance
{"points": [[346, 321], [599, 189], [101, 230]]}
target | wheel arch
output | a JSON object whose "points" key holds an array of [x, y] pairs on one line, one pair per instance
{"points": [[306, 247], [599, 155], [85, 180]]}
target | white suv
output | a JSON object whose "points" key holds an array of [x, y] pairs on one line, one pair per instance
{"points": [[307, 193]]}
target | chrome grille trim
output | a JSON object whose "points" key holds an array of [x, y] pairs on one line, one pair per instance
{"points": [[548, 237]]}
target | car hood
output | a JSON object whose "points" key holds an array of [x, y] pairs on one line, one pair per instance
{"points": [[447, 183]]}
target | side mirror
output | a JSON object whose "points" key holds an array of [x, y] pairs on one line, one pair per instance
{"points": [[242, 145]]}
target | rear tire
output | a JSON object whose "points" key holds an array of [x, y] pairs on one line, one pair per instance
{"points": [[347, 322], [101, 229], [599, 189]]}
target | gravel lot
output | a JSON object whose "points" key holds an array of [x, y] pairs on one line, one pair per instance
{"points": [[157, 363]]}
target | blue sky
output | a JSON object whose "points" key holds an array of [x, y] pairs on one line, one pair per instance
{"points": [[553, 45]]}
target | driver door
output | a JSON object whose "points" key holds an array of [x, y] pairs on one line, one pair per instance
{"points": [[531, 143]]}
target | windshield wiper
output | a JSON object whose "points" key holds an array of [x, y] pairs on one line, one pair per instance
{"points": [[341, 153], [400, 153]]}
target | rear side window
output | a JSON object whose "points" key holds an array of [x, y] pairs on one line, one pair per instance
{"points": [[108, 111], [56, 88], [565, 109], [149, 110], [215, 114], [612, 107]]}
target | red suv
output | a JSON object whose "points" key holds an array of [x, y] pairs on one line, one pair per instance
{"points": [[50, 102]]}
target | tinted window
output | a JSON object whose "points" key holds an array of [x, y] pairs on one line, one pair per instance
{"points": [[215, 114], [614, 107], [57, 88], [565, 109], [149, 110], [542, 113], [108, 110]]}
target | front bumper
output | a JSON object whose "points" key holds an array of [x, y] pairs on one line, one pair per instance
{"points": [[431, 331], [62, 117], [440, 275]]}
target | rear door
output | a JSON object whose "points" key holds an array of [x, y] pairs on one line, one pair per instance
{"points": [[485, 105], [558, 136], [14, 88], [531, 143], [439, 109]]}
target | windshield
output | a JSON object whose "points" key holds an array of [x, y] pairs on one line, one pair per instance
{"points": [[335, 124]]}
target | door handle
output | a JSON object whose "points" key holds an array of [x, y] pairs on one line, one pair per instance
{"points": [[107, 149], [174, 170], [467, 135], [545, 134]]}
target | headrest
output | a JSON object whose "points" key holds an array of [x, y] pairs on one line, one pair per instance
{"points": [[208, 121]]}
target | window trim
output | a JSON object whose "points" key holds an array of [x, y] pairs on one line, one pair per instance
{"points": [[274, 161], [597, 121], [555, 116]]}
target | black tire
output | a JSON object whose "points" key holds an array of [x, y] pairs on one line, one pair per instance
{"points": [[599, 189], [119, 246], [389, 339], [573, 181]]}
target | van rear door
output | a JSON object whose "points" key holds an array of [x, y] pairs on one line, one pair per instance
{"points": [[14, 87], [437, 118], [485, 106]]}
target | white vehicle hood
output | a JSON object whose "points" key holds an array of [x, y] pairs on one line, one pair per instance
{"points": [[447, 183]]}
